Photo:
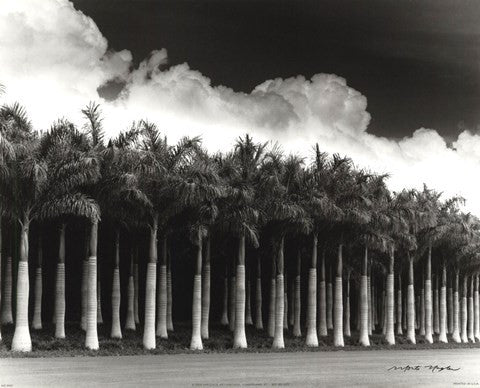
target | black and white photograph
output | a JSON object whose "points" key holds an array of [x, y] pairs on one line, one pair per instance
{"points": [[239, 193]]}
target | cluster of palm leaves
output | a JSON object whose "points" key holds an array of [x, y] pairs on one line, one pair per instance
{"points": [[358, 239]]}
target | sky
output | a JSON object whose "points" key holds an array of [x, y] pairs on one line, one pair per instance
{"points": [[393, 84]]}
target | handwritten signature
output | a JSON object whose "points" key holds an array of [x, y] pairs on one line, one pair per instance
{"points": [[431, 368]]}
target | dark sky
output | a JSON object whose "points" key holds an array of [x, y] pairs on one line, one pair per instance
{"points": [[417, 62]]}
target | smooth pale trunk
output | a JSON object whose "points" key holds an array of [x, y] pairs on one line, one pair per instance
{"points": [[285, 302], [130, 321], [443, 307], [99, 302], [322, 301], [239, 337], [7, 315], [428, 299], [60, 301], [84, 292], [169, 299], [278, 342], [205, 301], [21, 338], [338, 302], [390, 307], [149, 341], [456, 311], [410, 304], [464, 312], [161, 330], [436, 308], [136, 293], [399, 329], [91, 336], [272, 302], [476, 306], [37, 310], [312, 339], [404, 311], [369, 301], [248, 305], [224, 319], [470, 332], [196, 340], [346, 317], [450, 309], [116, 331], [364, 326], [329, 305], [258, 298], [297, 331], [422, 313], [231, 304]]}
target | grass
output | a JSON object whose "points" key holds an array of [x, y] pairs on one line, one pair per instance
{"points": [[46, 345]]}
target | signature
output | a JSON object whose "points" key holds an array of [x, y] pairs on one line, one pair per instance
{"points": [[431, 368]]}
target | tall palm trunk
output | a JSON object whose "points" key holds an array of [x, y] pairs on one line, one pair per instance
{"points": [[443, 306], [150, 289], [130, 321], [285, 302], [116, 331], [224, 319], [231, 296], [369, 300], [399, 329], [464, 312], [422, 309], [450, 305], [161, 330], [338, 302], [60, 287], [248, 305], [346, 317], [91, 337], [297, 331], [428, 298], [364, 310], [7, 314], [206, 290], [136, 289], [312, 339], [279, 299], [322, 300], [169, 294], [476, 306], [456, 309], [471, 335], [272, 301], [330, 299], [196, 340], [239, 337], [84, 286], [390, 301], [21, 338], [37, 310], [258, 297], [410, 303], [436, 307]]}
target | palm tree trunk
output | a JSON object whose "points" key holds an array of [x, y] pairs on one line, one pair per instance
{"points": [[456, 309], [91, 337], [224, 319], [279, 299], [116, 331], [161, 330], [231, 304], [422, 311], [291, 303], [312, 339], [150, 289], [99, 299], [60, 287], [258, 297], [364, 308], [346, 317], [239, 337], [450, 305], [136, 289], [285, 302], [404, 311], [464, 312], [476, 303], [322, 301], [7, 314], [369, 300], [471, 335], [428, 298], [37, 310], [436, 306], [84, 286], [272, 301], [390, 301], [410, 303], [248, 306], [443, 306], [206, 290], [399, 330], [297, 331], [338, 303], [130, 321], [21, 338], [196, 340], [169, 294], [329, 299]]}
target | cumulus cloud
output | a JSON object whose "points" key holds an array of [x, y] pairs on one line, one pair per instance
{"points": [[53, 59]]}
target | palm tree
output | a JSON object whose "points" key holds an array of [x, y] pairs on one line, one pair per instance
{"points": [[37, 311]]}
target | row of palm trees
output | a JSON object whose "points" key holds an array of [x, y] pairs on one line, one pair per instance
{"points": [[364, 244]]}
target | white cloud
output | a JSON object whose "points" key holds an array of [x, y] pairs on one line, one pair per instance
{"points": [[53, 58]]}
